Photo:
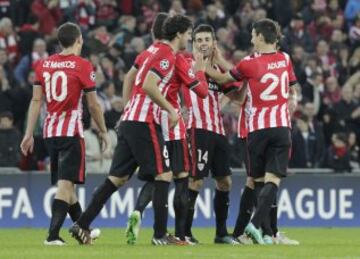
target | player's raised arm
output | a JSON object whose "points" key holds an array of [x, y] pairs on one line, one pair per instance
{"points": [[150, 87], [27, 144], [128, 83]]}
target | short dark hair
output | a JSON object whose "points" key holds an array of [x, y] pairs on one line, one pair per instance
{"points": [[158, 25], [269, 29], [68, 33], [175, 24], [204, 28]]}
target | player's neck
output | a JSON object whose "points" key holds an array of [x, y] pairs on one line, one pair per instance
{"points": [[174, 45], [69, 51], [267, 49]]}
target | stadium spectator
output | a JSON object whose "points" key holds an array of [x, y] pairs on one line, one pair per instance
{"points": [[106, 94], [348, 114], [9, 39], [9, 141], [354, 149], [332, 93], [113, 115], [48, 13], [212, 17], [304, 145], [29, 61], [295, 34], [354, 33], [338, 156], [352, 9]]}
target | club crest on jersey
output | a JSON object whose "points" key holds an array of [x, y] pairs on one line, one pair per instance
{"points": [[191, 73], [164, 64], [200, 166], [92, 76]]}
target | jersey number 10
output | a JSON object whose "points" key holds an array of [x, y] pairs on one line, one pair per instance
{"points": [[51, 82]]}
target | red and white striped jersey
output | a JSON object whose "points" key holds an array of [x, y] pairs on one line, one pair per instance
{"points": [[206, 113], [269, 79], [159, 58], [63, 80], [242, 122], [184, 76]]}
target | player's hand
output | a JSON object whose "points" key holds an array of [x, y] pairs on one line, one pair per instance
{"points": [[27, 145], [173, 118], [104, 141], [292, 105], [217, 55], [200, 61]]}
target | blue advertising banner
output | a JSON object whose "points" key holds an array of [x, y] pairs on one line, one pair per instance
{"points": [[303, 200]]}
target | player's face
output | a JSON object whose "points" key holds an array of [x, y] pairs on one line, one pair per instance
{"points": [[255, 40], [204, 43], [185, 38]]}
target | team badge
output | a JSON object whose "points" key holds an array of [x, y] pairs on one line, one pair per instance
{"points": [[200, 166], [164, 64], [92, 76], [191, 73]]}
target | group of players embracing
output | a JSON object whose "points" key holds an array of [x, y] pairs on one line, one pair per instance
{"points": [[172, 130]]}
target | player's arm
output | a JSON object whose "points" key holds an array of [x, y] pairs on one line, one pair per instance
{"points": [[219, 59], [98, 116], [193, 77], [293, 94], [27, 144], [150, 86], [239, 95], [128, 83], [219, 77]]}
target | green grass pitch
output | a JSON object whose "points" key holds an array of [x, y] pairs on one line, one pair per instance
{"points": [[315, 243]]}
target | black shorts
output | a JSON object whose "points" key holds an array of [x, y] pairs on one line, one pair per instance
{"points": [[179, 156], [243, 146], [141, 145], [67, 159], [269, 151], [209, 152]]}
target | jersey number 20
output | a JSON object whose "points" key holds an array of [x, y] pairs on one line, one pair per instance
{"points": [[267, 94], [51, 82]]}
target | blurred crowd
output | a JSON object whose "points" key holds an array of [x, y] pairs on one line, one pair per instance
{"points": [[322, 37]]}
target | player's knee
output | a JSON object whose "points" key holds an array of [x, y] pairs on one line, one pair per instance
{"points": [[118, 181], [65, 190], [166, 177], [224, 184], [272, 178], [195, 184], [250, 183], [181, 175]]}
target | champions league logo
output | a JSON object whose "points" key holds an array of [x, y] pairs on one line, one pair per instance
{"points": [[191, 73], [164, 64], [92, 76]]}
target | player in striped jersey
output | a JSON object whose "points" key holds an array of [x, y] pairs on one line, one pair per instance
{"points": [[193, 77], [209, 146], [271, 98], [140, 143], [62, 78]]}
